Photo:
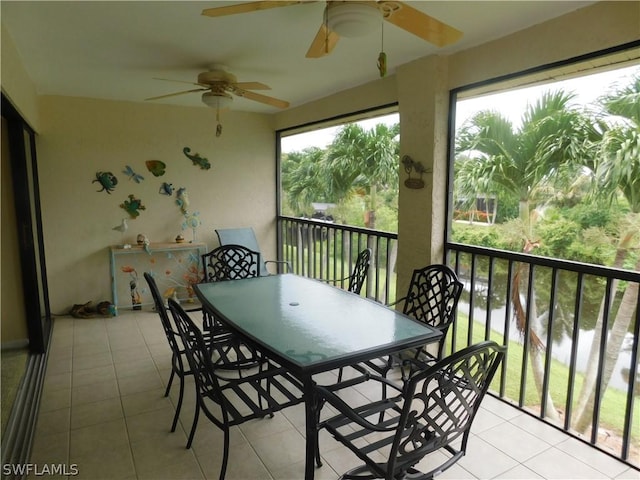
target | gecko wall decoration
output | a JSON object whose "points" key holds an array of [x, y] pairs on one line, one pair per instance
{"points": [[197, 159]]}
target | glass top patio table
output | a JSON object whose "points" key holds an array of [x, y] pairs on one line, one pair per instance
{"points": [[308, 325]]}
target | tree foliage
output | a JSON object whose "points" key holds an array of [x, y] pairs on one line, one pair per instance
{"points": [[567, 168], [617, 160], [358, 163]]}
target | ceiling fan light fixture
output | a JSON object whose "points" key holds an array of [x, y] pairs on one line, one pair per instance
{"points": [[217, 100], [353, 19]]}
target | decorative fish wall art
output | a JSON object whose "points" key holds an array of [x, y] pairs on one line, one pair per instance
{"points": [[107, 181], [197, 159], [156, 167], [166, 189], [128, 171]]}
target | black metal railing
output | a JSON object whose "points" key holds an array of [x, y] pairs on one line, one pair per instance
{"points": [[561, 321], [328, 251], [572, 334]]}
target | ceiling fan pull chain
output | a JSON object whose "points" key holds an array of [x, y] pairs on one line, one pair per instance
{"points": [[382, 57], [219, 125]]}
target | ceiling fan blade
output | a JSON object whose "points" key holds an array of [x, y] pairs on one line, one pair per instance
{"points": [[252, 85], [177, 93], [247, 8], [274, 102], [323, 43], [420, 24]]}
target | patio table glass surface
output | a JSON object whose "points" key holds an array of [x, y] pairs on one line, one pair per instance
{"points": [[309, 325]]}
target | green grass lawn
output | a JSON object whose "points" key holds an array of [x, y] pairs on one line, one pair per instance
{"points": [[612, 407], [339, 268]]}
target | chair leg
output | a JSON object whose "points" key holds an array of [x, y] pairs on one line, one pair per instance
{"points": [[196, 415], [270, 414], [166, 392], [179, 406], [225, 454], [318, 459], [317, 431]]}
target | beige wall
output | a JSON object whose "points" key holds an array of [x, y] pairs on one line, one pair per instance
{"points": [[379, 92], [80, 137], [16, 84]]}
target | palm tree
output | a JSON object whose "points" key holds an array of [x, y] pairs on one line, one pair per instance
{"points": [[362, 160], [527, 162], [616, 168], [357, 161], [303, 179]]}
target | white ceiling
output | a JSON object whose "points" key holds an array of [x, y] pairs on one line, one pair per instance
{"points": [[113, 50]]}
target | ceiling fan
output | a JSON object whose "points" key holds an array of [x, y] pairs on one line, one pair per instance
{"points": [[354, 18], [219, 86]]}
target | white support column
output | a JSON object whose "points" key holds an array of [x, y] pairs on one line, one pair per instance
{"points": [[424, 105]]}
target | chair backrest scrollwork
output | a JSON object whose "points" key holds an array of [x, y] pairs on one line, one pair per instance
{"points": [[442, 401], [360, 270], [433, 296], [230, 262]]}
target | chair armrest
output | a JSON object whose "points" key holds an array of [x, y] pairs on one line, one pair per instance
{"points": [[282, 262], [349, 412], [396, 302], [193, 309], [335, 280]]}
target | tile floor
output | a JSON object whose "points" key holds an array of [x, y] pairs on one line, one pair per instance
{"points": [[103, 409]]}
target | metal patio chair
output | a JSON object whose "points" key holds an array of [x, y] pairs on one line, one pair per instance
{"points": [[179, 363], [225, 349], [356, 280], [228, 263], [246, 237], [231, 401], [358, 275], [433, 413], [432, 298]]}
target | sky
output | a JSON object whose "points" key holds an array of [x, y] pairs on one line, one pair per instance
{"points": [[323, 137], [511, 104]]}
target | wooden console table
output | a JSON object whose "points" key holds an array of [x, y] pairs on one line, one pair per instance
{"points": [[175, 266]]}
